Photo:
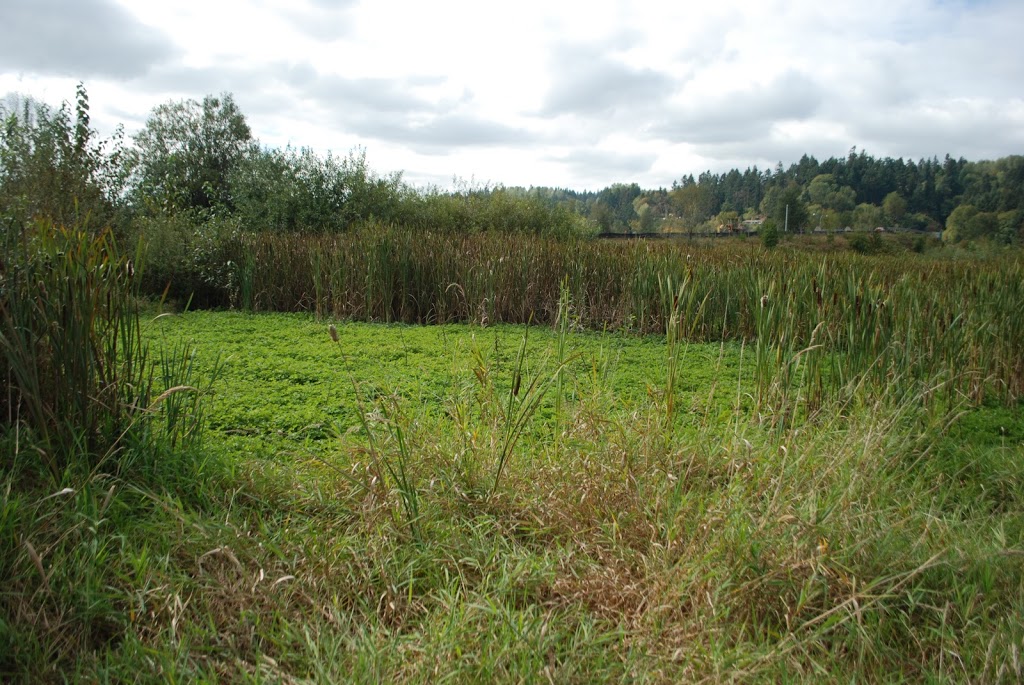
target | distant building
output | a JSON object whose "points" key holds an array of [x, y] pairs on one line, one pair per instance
{"points": [[751, 225]]}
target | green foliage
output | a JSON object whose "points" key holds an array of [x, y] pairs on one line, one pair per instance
{"points": [[524, 398], [866, 242], [930, 188], [186, 153], [289, 190], [867, 217], [645, 218], [823, 191], [192, 257], [984, 225], [966, 223], [620, 201], [859, 242], [921, 222], [681, 308], [52, 167], [602, 217], [488, 209], [895, 207], [693, 203], [580, 551], [80, 378], [1011, 227], [72, 351], [789, 210], [385, 274], [199, 158], [957, 224], [769, 233], [577, 565]]}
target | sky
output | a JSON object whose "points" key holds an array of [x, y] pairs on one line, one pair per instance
{"points": [[566, 93]]}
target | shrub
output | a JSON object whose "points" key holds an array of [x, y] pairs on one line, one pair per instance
{"points": [[867, 243], [190, 256], [52, 166], [770, 234], [498, 209]]}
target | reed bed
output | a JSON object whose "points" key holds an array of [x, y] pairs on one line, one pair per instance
{"points": [[821, 322]]}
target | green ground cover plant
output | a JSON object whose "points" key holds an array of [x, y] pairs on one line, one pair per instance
{"points": [[875, 540]]}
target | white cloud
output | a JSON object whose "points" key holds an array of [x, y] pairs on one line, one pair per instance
{"points": [[88, 38], [578, 94]]}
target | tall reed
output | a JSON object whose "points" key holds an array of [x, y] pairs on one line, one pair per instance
{"points": [[899, 316], [681, 313], [80, 377]]}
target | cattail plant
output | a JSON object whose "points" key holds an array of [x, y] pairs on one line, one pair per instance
{"points": [[887, 316], [80, 374]]}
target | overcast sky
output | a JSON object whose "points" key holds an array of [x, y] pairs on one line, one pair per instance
{"points": [[577, 94]]}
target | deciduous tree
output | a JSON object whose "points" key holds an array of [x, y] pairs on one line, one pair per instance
{"points": [[186, 152], [957, 225], [895, 207], [867, 216]]}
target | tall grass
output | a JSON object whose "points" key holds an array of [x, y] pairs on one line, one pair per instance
{"points": [[82, 387], [798, 553], [828, 320], [90, 418], [681, 312], [864, 545], [71, 343]]}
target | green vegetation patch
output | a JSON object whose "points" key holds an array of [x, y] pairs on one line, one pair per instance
{"points": [[415, 504], [285, 386]]}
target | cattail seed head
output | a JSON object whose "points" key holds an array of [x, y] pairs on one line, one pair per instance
{"points": [[764, 301], [333, 331]]}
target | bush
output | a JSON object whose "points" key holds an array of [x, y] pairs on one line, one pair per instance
{"points": [[497, 209], [770, 234], [865, 242], [297, 190], [190, 256]]}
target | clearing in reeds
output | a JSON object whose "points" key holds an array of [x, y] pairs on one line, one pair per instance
{"points": [[821, 320], [867, 542]]}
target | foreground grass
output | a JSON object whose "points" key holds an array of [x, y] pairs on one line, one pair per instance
{"points": [[310, 540]]}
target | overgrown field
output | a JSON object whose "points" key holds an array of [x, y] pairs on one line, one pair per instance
{"points": [[718, 464], [512, 504]]}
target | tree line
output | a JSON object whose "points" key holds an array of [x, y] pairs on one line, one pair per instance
{"points": [[197, 162], [983, 199]]}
